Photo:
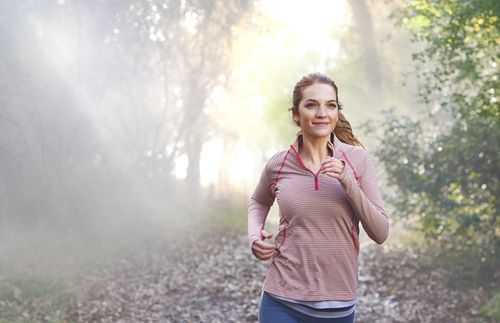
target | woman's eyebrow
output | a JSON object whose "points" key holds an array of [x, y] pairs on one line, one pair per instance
{"points": [[317, 101]]}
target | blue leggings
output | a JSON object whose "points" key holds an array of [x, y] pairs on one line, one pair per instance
{"points": [[272, 311]]}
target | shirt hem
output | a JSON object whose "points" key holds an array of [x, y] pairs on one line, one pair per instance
{"points": [[338, 296], [313, 312]]}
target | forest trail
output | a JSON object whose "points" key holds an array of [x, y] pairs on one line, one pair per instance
{"points": [[215, 278]]}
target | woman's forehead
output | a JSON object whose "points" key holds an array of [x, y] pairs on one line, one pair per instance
{"points": [[319, 92]]}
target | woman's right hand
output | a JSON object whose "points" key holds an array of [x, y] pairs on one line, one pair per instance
{"points": [[263, 250]]}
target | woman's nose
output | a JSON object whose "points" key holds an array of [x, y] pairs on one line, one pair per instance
{"points": [[321, 112]]}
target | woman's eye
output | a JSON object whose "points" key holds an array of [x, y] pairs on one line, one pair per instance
{"points": [[332, 106], [310, 105]]}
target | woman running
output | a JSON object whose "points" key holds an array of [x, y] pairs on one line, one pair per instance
{"points": [[325, 185]]}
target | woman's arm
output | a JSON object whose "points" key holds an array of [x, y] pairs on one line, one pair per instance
{"points": [[257, 214], [366, 200], [259, 205]]}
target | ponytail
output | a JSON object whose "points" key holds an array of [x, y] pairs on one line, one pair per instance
{"points": [[343, 131]]}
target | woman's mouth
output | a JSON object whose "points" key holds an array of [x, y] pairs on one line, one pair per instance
{"points": [[321, 124]]}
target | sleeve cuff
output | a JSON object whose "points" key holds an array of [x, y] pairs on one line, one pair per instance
{"points": [[344, 174], [252, 240]]}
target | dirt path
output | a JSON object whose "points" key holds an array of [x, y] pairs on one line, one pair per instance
{"points": [[214, 278]]}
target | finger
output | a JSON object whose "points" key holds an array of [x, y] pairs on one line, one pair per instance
{"points": [[264, 245], [331, 169], [329, 165], [266, 256], [265, 234], [332, 162], [336, 163], [266, 253], [261, 255], [332, 173], [329, 160]]}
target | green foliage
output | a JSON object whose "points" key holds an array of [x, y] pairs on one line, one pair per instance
{"points": [[457, 68], [449, 180], [278, 93], [34, 300], [222, 215], [447, 172], [492, 308]]}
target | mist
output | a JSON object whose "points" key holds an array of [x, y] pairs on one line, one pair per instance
{"points": [[99, 100], [133, 132]]}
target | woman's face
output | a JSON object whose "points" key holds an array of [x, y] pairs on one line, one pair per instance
{"points": [[318, 111]]}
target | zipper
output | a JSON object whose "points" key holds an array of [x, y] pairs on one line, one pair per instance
{"points": [[316, 183]]}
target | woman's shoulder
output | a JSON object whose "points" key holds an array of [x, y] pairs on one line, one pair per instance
{"points": [[354, 151], [275, 161], [357, 156], [277, 157]]}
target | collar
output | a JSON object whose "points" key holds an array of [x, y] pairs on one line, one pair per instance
{"points": [[333, 145]]}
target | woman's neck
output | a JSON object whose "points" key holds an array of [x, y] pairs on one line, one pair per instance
{"points": [[314, 150]]}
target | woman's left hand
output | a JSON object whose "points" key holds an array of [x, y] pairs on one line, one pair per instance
{"points": [[332, 167]]}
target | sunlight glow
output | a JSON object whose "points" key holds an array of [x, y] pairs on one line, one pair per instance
{"points": [[211, 161], [232, 170], [288, 31], [310, 21], [308, 26], [181, 164]]}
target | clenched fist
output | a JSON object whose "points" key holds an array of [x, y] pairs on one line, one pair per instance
{"points": [[263, 250]]}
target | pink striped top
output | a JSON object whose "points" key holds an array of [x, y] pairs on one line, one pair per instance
{"points": [[317, 243]]}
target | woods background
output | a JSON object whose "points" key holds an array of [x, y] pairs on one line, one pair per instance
{"points": [[125, 124]]}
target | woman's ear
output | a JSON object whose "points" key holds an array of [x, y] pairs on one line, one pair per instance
{"points": [[295, 114]]}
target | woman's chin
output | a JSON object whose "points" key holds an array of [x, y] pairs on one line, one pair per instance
{"points": [[320, 133]]}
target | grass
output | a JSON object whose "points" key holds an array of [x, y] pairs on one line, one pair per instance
{"points": [[492, 308], [35, 299], [224, 215]]}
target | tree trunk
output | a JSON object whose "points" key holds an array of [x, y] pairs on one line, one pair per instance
{"points": [[363, 23]]}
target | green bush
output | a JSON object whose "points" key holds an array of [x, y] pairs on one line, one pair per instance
{"points": [[445, 165], [34, 300], [492, 308]]}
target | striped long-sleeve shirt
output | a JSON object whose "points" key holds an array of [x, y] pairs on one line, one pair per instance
{"points": [[317, 244]]}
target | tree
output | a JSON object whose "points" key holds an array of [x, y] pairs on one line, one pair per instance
{"points": [[447, 173], [365, 28], [100, 98], [188, 46]]}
